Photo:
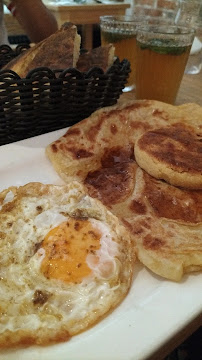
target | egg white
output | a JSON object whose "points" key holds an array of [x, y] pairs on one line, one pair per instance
{"points": [[46, 308]]}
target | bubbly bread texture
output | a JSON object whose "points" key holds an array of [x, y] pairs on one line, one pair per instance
{"points": [[83, 146], [172, 153], [59, 51], [65, 262], [165, 222], [102, 56]]}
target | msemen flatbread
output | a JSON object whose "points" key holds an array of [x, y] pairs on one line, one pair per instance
{"points": [[172, 153], [165, 221]]}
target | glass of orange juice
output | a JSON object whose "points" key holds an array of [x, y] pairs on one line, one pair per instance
{"points": [[162, 52], [121, 32]]}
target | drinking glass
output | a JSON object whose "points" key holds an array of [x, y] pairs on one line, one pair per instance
{"points": [[161, 55], [188, 12], [194, 64], [121, 32]]}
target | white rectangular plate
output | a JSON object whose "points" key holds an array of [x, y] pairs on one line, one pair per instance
{"points": [[152, 313]]}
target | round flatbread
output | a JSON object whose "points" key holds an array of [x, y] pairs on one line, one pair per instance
{"points": [[165, 221], [172, 153]]}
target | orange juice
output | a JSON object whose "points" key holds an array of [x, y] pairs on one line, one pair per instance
{"points": [[125, 48], [161, 67]]}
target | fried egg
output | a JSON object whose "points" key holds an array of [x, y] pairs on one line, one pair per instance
{"points": [[65, 262]]}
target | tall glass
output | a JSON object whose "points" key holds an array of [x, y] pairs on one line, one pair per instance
{"points": [[121, 32], [162, 54], [190, 12]]}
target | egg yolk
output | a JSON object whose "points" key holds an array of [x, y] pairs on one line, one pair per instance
{"points": [[66, 248]]}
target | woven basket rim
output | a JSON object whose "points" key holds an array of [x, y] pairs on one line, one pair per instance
{"points": [[47, 100]]}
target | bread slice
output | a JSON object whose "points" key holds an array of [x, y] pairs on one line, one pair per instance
{"points": [[102, 56], [59, 51]]}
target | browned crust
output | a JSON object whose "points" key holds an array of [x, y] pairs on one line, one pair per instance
{"points": [[102, 57], [56, 52], [164, 220], [172, 153], [23, 338]]}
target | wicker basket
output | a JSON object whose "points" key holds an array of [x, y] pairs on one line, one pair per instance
{"points": [[47, 100]]}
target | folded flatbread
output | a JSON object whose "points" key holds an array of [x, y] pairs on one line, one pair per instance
{"points": [[102, 56], [59, 51]]}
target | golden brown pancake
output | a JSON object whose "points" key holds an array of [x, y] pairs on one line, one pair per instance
{"points": [[82, 147], [173, 154], [165, 221], [59, 51]]}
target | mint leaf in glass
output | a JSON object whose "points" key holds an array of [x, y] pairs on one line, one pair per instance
{"points": [[163, 46], [113, 37]]}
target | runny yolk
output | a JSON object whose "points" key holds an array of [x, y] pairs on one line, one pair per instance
{"points": [[66, 248]]}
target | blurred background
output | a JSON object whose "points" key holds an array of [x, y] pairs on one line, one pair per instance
{"points": [[189, 11]]}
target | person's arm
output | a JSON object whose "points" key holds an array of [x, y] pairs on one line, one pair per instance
{"points": [[36, 19]]}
